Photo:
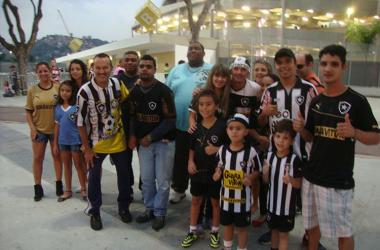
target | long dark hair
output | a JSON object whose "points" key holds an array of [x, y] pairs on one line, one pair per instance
{"points": [[224, 71], [74, 91], [83, 68]]}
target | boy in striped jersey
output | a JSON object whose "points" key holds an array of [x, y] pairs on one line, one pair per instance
{"points": [[282, 170], [238, 166]]}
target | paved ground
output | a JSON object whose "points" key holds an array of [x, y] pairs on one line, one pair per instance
{"points": [[25, 224]]}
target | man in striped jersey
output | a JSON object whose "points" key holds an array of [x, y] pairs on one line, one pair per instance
{"points": [[102, 134], [238, 166], [283, 100]]}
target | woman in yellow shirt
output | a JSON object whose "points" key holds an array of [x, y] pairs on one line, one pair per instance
{"points": [[40, 104]]}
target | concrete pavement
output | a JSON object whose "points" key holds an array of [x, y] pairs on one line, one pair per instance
{"points": [[25, 224]]}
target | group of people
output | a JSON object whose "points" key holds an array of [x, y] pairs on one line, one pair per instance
{"points": [[277, 142]]}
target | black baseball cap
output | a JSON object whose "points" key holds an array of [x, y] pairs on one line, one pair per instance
{"points": [[284, 52]]}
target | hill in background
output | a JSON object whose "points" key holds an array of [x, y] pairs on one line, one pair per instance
{"points": [[52, 46]]}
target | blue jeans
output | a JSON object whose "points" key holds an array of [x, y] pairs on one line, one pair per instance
{"points": [[156, 168], [123, 182]]}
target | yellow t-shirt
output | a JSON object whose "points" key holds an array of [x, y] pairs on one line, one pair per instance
{"points": [[42, 103]]}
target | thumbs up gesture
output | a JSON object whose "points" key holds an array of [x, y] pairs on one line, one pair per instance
{"points": [[286, 177], [345, 129], [298, 123], [270, 108]]}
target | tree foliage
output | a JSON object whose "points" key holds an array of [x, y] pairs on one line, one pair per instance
{"points": [[361, 33]]}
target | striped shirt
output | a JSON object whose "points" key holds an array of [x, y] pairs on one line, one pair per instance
{"points": [[234, 196], [281, 197], [99, 111], [288, 105]]}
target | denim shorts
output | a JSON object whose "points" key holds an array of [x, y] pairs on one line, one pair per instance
{"points": [[41, 137], [72, 148]]}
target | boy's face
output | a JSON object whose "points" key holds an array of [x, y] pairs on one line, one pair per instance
{"points": [[285, 67], [236, 131], [283, 141], [331, 68], [206, 106]]}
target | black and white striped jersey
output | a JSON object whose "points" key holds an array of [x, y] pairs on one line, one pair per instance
{"points": [[288, 105], [281, 197], [99, 112], [234, 196]]}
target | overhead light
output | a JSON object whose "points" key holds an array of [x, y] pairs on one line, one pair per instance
{"points": [[330, 15], [221, 14], [334, 21], [361, 21], [176, 23], [245, 8], [239, 17], [265, 12], [176, 16], [310, 11], [376, 17], [305, 19], [279, 23], [350, 11], [159, 21], [286, 15], [166, 18], [195, 18], [342, 23], [261, 22], [225, 24], [246, 24], [163, 28]]}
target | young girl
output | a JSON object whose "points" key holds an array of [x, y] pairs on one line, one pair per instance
{"points": [[206, 139], [67, 139], [282, 170], [219, 81], [238, 166]]}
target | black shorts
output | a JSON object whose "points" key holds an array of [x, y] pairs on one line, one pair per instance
{"points": [[211, 189], [281, 223], [236, 219]]}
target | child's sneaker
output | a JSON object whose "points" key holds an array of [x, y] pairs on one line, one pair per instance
{"points": [[214, 240], [190, 238]]}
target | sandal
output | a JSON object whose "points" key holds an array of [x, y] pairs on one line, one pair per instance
{"points": [[83, 192], [66, 195]]}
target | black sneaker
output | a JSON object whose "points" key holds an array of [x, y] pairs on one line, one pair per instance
{"points": [[125, 216], [214, 240], [145, 217], [58, 188], [266, 238], [158, 222], [38, 192], [96, 222], [305, 242]]}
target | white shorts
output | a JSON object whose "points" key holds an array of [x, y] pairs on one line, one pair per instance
{"points": [[328, 208]]}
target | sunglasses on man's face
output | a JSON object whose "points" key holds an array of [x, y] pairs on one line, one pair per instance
{"points": [[300, 66]]}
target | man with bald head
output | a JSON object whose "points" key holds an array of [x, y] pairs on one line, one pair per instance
{"points": [[305, 63]]}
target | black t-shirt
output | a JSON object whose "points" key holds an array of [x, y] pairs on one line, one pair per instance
{"points": [[331, 160], [149, 107], [128, 82], [205, 163]]}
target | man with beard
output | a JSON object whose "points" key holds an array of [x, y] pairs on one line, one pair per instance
{"points": [[182, 80], [152, 127]]}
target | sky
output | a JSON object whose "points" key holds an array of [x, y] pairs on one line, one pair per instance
{"points": [[109, 20]]}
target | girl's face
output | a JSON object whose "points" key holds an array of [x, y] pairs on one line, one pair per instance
{"points": [[266, 82], [206, 106], [76, 72], [219, 81], [236, 131], [283, 141], [65, 92], [43, 73], [260, 71]]}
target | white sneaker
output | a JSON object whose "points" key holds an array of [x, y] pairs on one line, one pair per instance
{"points": [[177, 197]]}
